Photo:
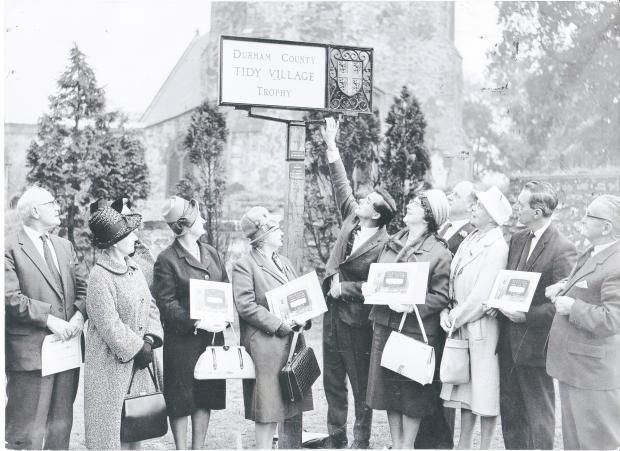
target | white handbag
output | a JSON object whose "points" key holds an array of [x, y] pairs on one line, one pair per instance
{"points": [[409, 357], [454, 367], [224, 362]]}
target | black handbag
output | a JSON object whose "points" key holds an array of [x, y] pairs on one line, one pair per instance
{"points": [[299, 373], [144, 415]]}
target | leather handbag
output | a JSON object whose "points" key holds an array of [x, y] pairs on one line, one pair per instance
{"points": [[454, 368], [409, 357], [144, 415], [224, 362], [299, 373]]}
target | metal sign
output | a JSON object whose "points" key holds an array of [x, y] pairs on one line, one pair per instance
{"points": [[294, 75]]}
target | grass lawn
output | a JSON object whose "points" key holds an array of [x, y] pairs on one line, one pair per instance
{"points": [[229, 430]]}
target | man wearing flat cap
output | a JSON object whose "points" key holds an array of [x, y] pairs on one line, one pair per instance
{"points": [[347, 332], [527, 398], [584, 342]]}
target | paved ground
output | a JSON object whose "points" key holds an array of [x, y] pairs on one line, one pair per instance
{"points": [[229, 430]]}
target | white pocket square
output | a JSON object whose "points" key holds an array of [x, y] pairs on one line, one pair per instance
{"points": [[582, 284]]}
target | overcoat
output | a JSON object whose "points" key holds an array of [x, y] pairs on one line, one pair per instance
{"points": [[476, 264], [121, 311], [253, 275]]}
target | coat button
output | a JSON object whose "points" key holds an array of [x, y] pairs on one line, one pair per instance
{"points": [[206, 276], [60, 309]]}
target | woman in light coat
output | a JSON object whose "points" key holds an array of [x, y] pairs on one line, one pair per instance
{"points": [[265, 336], [123, 328], [478, 260]]}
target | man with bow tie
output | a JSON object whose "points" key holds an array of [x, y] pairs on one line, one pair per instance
{"points": [[347, 332], [43, 295], [527, 399], [584, 341]]}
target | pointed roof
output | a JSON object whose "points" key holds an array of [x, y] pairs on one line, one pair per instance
{"points": [[182, 89]]}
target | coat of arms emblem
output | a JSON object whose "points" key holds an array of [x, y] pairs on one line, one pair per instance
{"points": [[349, 76]]}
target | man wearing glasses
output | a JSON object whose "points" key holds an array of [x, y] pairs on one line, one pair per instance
{"points": [[527, 398], [43, 296], [347, 333], [584, 342]]}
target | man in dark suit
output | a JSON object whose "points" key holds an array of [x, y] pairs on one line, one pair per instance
{"points": [[43, 296], [437, 431], [347, 332], [527, 399], [584, 342]]}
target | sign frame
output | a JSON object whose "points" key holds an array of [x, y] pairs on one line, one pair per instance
{"points": [[328, 48]]}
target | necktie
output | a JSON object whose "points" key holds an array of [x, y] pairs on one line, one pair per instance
{"points": [[525, 252], [444, 229], [49, 259], [351, 240], [583, 258]]}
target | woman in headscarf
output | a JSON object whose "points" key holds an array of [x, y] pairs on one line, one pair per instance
{"points": [[265, 336], [478, 260], [405, 400], [123, 329], [188, 257]]}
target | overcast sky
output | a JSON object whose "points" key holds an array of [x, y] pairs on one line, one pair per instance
{"points": [[133, 45]]}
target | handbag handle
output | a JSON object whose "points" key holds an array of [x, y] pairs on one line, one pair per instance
{"points": [[222, 332], [293, 346], [417, 314], [153, 378], [452, 327]]}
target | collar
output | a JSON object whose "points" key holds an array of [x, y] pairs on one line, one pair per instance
{"points": [[33, 234], [458, 224], [486, 238], [114, 266], [538, 233], [399, 240], [602, 247], [369, 230]]}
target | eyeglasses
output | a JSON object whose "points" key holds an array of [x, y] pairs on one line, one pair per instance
{"points": [[53, 202], [588, 215]]}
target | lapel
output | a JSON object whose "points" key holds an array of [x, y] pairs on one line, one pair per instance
{"points": [[34, 255], [184, 254], [590, 266], [516, 251], [540, 246], [63, 260], [472, 251], [261, 261], [369, 244]]}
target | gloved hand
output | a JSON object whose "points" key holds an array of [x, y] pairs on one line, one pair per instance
{"points": [[144, 357], [284, 330]]}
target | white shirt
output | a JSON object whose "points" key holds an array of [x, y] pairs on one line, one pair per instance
{"points": [[602, 247], [362, 236], [35, 237], [537, 234], [455, 226]]}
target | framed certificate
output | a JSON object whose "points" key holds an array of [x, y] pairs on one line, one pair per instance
{"points": [[397, 283], [211, 300], [514, 290], [300, 299]]}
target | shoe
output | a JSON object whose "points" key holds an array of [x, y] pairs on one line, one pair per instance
{"points": [[359, 445], [329, 442]]}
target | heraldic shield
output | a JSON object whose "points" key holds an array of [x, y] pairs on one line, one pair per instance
{"points": [[349, 75]]}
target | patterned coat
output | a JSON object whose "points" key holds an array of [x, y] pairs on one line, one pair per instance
{"points": [[121, 311]]}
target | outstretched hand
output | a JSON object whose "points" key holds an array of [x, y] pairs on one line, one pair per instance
{"points": [[329, 132]]}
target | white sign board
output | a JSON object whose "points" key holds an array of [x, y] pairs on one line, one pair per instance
{"points": [[212, 300], [300, 299], [396, 283], [272, 74], [514, 290]]}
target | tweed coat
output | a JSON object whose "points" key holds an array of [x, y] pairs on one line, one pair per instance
{"points": [[353, 270], [31, 294], [121, 311], [253, 275], [584, 346], [554, 257]]}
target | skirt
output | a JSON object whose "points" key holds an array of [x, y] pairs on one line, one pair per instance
{"points": [[388, 390], [183, 393]]}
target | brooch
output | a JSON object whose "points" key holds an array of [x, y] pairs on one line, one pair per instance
{"points": [[463, 233]]}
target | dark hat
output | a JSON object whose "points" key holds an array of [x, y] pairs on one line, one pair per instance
{"points": [[121, 204], [257, 222], [109, 226], [180, 213]]}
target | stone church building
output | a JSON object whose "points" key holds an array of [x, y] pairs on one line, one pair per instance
{"points": [[413, 45]]}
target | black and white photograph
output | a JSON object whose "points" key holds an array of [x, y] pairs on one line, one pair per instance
{"points": [[151, 146]]}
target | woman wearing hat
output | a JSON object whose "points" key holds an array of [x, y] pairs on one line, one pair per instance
{"points": [[123, 329], [188, 257], [475, 266], [405, 400], [265, 336]]}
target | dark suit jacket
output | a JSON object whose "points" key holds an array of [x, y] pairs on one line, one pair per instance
{"points": [[354, 269], [173, 269], [584, 346], [554, 257], [455, 240], [437, 295], [31, 295]]}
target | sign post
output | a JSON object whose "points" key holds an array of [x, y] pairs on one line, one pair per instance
{"points": [[287, 75]]}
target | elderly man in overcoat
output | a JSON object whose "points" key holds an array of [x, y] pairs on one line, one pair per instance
{"points": [[347, 332], [43, 296], [584, 342]]}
